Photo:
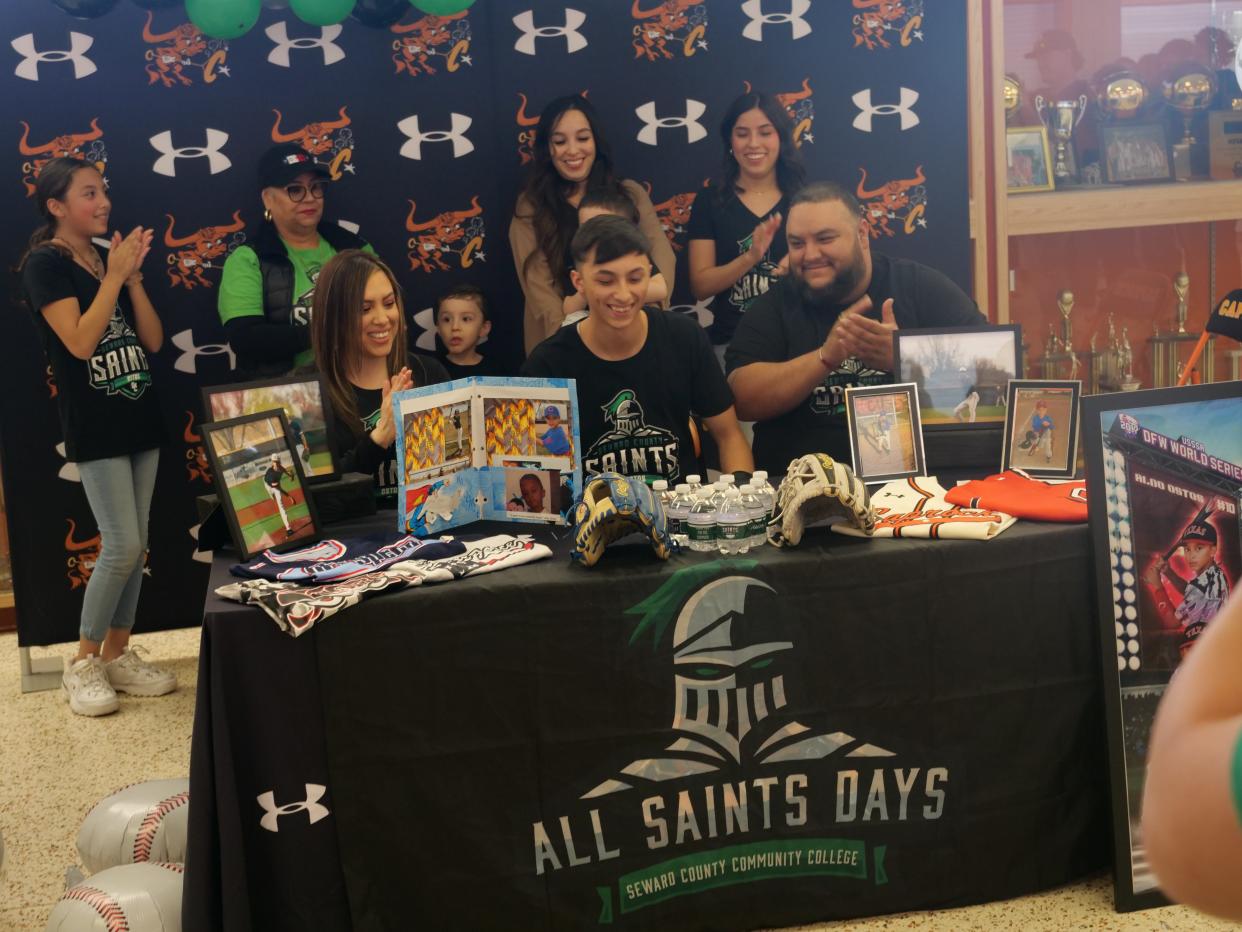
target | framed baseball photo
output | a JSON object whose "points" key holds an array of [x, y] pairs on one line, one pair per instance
{"points": [[886, 439], [261, 483], [959, 373], [1028, 160], [1041, 427], [306, 407], [1164, 470]]}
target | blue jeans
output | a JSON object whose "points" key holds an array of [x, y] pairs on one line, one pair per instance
{"points": [[119, 491]]}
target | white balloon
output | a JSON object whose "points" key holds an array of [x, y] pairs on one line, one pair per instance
{"points": [[143, 822], [136, 897]]}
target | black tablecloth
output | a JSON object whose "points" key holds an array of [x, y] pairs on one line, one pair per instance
{"points": [[442, 757]]}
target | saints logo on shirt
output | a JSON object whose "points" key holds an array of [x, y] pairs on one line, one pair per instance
{"points": [[119, 365], [300, 314], [756, 281], [829, 396], [631, 446]]}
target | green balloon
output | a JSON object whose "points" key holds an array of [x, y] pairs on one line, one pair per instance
{"points": [[441, 7], [321, 12], [223, 19]]}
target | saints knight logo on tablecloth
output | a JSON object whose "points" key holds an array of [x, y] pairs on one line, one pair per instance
{"points": [[731, 708], [632, 446]]}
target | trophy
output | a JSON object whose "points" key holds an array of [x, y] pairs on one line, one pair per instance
{"points": [[1065, 304], [1189, 91], [1122, 96], [1060, 359], [1061, 118], [1125, 359], [1012, 90], [1181, 288]]}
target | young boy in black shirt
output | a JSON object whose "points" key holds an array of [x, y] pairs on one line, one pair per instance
{"points": [[640, 372]]}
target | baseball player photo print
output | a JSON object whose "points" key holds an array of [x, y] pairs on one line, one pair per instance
{"points": [[1041, 428], [263, 482]]}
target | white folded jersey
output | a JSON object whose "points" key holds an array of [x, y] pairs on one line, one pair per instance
{"points": [[918, 508]]}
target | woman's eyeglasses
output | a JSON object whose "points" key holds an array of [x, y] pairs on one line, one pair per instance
{"points": [[297, 192]]}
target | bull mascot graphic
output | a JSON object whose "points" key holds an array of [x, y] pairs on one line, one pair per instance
{"points": [[321, 138], [660, 25], [903, 200], [442, 234], [428, 37], [197, 252], [71, 145], [674, 214], [175, 50], [83, 555], [799, 106], [196, 463], [878, 17], [526, 132]]}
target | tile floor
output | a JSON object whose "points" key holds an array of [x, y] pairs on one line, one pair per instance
{"points": [[54, 766]]}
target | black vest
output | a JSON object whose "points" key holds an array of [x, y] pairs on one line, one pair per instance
{"points": [[276, 268]]}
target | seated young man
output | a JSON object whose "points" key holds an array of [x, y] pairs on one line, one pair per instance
{"points": [[640, 372]]}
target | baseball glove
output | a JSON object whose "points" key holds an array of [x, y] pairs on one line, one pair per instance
{"points": [[612, 506], [818, 490]]}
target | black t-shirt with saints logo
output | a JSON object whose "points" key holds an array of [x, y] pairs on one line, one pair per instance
{"points": [[634, 414], [107, 402], [731, 224], [781, 326]]}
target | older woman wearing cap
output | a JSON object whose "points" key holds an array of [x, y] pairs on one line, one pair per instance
{"points": [[267, 285]]}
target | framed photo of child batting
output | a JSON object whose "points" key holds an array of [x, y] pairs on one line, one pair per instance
{"points": [[886, 438], [261, 483], [302, 399], [1164, 470], [1041, 427], [960, 373]]}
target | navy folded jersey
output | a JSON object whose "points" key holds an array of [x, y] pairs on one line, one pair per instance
{"points": [[335, 559]]}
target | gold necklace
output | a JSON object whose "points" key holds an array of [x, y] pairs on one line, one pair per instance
{"points": [[95, 268]]}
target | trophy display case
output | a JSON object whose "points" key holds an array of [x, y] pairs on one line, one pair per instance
{"points": [[1114, 142]]}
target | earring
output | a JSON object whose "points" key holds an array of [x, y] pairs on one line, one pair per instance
{"points": [[267, 214]]}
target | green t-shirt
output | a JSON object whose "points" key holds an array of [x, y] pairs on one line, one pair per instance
{"points": [[241, 286]]}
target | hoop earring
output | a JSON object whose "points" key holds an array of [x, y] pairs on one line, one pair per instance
{"points": [[267, 215]]}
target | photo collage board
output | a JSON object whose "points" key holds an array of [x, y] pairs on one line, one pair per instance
{"points": [[500, 449]]}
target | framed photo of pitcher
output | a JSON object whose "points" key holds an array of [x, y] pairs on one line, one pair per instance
{"points": [[1028, 159]]}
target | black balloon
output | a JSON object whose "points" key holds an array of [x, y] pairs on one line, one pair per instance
{"points": [[380, 14], [85, 9]]}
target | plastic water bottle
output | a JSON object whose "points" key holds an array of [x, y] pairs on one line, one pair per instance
{"points": [[695, 483], [659, 489], [733, 525], [728, 479], [701, 527], [764, 491], [716, 491], [678, 515], [756, 516]]}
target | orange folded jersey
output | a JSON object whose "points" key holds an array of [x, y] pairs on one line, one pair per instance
{"points": [[1024, 497], [917, 508]]}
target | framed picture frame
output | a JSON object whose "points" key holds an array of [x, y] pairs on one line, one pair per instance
{"points": [[1134, 153], [261, 484], [304, 400], [959, 373], [1041, 427], [886, 436], [1028, 160], [1165, 474]]}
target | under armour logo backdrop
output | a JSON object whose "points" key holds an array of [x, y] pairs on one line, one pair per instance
{"points": [[310, 805], [758, 19], [279, 34], [909, 119], [574, 40], [654, 123], [187, 361], [166, 164], [459, 123], [28, 67]]}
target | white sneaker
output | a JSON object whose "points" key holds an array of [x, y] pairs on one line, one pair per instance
{"points": [[86, 686], [129, 673]]}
